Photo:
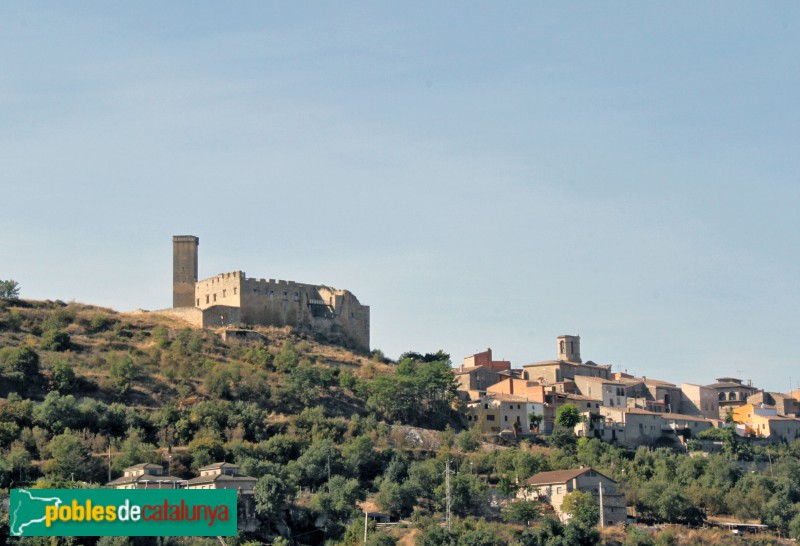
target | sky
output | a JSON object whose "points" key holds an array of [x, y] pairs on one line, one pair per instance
{"points": [[480, 174]]}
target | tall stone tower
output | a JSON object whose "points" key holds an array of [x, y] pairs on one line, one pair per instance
{"points": [[569, 348], [184, 269]]}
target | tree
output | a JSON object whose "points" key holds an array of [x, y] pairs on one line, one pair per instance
{"points": [[62, 377], [56, 340], [69, 459], [271, 493], [524, 511], [794, 527], [567, 416], [58, 413], [582, 507], [122, 372], [21, 365], [396, 499], [9, 290], [535, 419], [134, 450], [469, 440], [336, 505]]}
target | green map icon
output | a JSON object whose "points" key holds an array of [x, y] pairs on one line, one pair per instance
{"points": [[27, 511]]}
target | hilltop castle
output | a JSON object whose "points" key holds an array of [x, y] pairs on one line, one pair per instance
{"points": [[233, 298]]}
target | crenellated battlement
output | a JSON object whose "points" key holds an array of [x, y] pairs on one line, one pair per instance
{"points": [[324, 311]]}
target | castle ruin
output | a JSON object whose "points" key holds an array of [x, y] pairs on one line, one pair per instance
{"points": [[233, 298]]}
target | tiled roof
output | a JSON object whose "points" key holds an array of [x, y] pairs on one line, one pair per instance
{"points": [[214, 466], [558, 476], [219, 478], [142, 478], [144, 466]]}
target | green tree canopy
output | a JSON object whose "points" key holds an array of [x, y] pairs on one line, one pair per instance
{"points": [[568, 416], [9, 290], [582, 507]]}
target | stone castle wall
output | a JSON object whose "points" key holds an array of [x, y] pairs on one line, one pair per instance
{"points": [[232, 298], [336, 315]]}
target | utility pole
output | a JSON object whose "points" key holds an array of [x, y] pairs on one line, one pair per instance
{"points": [[329, 471], [366, 522], [449, 498], [109, 459], [602, 511]]}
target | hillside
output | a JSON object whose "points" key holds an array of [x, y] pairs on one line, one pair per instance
{"points": [[324, 431]]}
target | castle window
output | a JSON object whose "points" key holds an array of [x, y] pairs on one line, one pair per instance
{"points": [[198, 302], [224, 292], [285, 295], [215, 297], [206, 298], [234, 291]]}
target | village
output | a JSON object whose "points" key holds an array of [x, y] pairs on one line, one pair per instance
{"points": [[616, 407]]}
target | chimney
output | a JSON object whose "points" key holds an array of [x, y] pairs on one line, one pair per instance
{"points": [[510, 385]]}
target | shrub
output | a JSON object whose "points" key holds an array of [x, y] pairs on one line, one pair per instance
{"points": [[56, 340]]}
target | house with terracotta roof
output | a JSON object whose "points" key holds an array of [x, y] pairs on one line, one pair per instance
{"points": [[552, 487], [146, 476], [763, 421], [642, 427], [222, 476]]}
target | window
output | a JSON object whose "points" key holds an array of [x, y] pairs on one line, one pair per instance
{"points": [[206, 298], [505, 418], [215, 297], [198, 302], [234, 290], [486, 406], [490, 417], [224, 292]]}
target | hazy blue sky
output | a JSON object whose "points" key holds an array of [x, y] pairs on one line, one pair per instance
{"points": [[480, 174]]}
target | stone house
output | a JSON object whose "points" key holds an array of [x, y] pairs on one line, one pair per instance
{"points": [[222, 476], [611, 393], [784, 405], [475, 378], [146, 476], [552, 487], [731, 393], [499, 412], [699, 400]]}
